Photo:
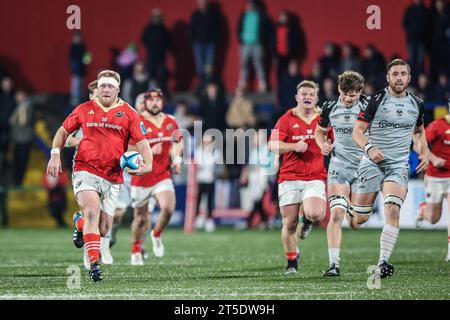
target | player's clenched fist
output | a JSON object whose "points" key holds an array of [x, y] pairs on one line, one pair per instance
{"points": [[376, 155], [326, 148], [301, 146]]}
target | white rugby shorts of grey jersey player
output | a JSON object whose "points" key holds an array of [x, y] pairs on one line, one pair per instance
{"points": [[392, 122], [346, 154]]}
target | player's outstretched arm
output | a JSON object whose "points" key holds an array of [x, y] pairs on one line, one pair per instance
{"points": [[280, 147], [362, 141], [72, 142], [145, 166], [54, 167], [358, 136], [324, 144], [436, 161], [176, 154], [421, 147]]}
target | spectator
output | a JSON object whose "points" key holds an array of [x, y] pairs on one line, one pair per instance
{"points": [[440, 32], [252, 31], [213, 108], [240, 113], [415, 23], [77, 68], [126, 60], [22, 134], [442, 89], [210, 77], [255, 179], [315, 73], [328, 92], [350, 58], [205, 35], [373, 66], [424, 90], [329, 62], [369, 89], [209, 160], [287, 86], [183, 117], [286, 44], [7, 106], [57, 197], [138, 83], [157, 40]]}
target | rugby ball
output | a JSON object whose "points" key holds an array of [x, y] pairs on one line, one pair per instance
{"points": [[130, 160]]}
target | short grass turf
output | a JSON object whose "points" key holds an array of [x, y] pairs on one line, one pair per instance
{"points": [[227, 264]]}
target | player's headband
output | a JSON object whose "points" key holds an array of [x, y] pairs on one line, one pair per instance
{"points": [[108, 80], [153, 94]]}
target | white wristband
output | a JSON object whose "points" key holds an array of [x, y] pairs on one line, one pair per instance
{"points": [[177, 160], [55, 151], [367, 147]]}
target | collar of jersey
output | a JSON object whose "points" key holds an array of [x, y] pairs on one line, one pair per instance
{"points": [[307, 121], [114, 105], [159, 127]]}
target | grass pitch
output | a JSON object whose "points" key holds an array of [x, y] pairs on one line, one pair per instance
{"points": [[224, 265]]}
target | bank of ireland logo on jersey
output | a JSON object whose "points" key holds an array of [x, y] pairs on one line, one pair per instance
{"points": [[104, 119]]}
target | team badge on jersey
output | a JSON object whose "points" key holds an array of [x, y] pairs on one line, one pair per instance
{"points": [[169, 126], [399, 112], [119, 114], [347, 118], [143, 129]]}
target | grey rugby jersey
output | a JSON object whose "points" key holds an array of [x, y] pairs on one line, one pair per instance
{"points": [[392, 122], [342, 120]]}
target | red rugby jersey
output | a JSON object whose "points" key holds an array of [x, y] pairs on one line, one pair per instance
{"points": [[167, 133], [438, 136], [106, 133], [299, 166]]}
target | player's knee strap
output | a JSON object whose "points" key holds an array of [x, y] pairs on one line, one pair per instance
{"points": [[338, 202], [364, 210], [393, 199]]}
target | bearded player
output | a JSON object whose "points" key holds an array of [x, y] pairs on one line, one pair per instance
{"points": [[167, 147]]}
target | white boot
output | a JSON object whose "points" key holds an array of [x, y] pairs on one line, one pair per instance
{"points": [[105, 253], [158, 247], [136, 259]]}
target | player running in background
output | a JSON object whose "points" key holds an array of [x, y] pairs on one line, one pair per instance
{"points": [[341, 115], [167, 144], [302, 170], [107, 123], [437, 177], [124, 199], [392, 119], [73, 140]]}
